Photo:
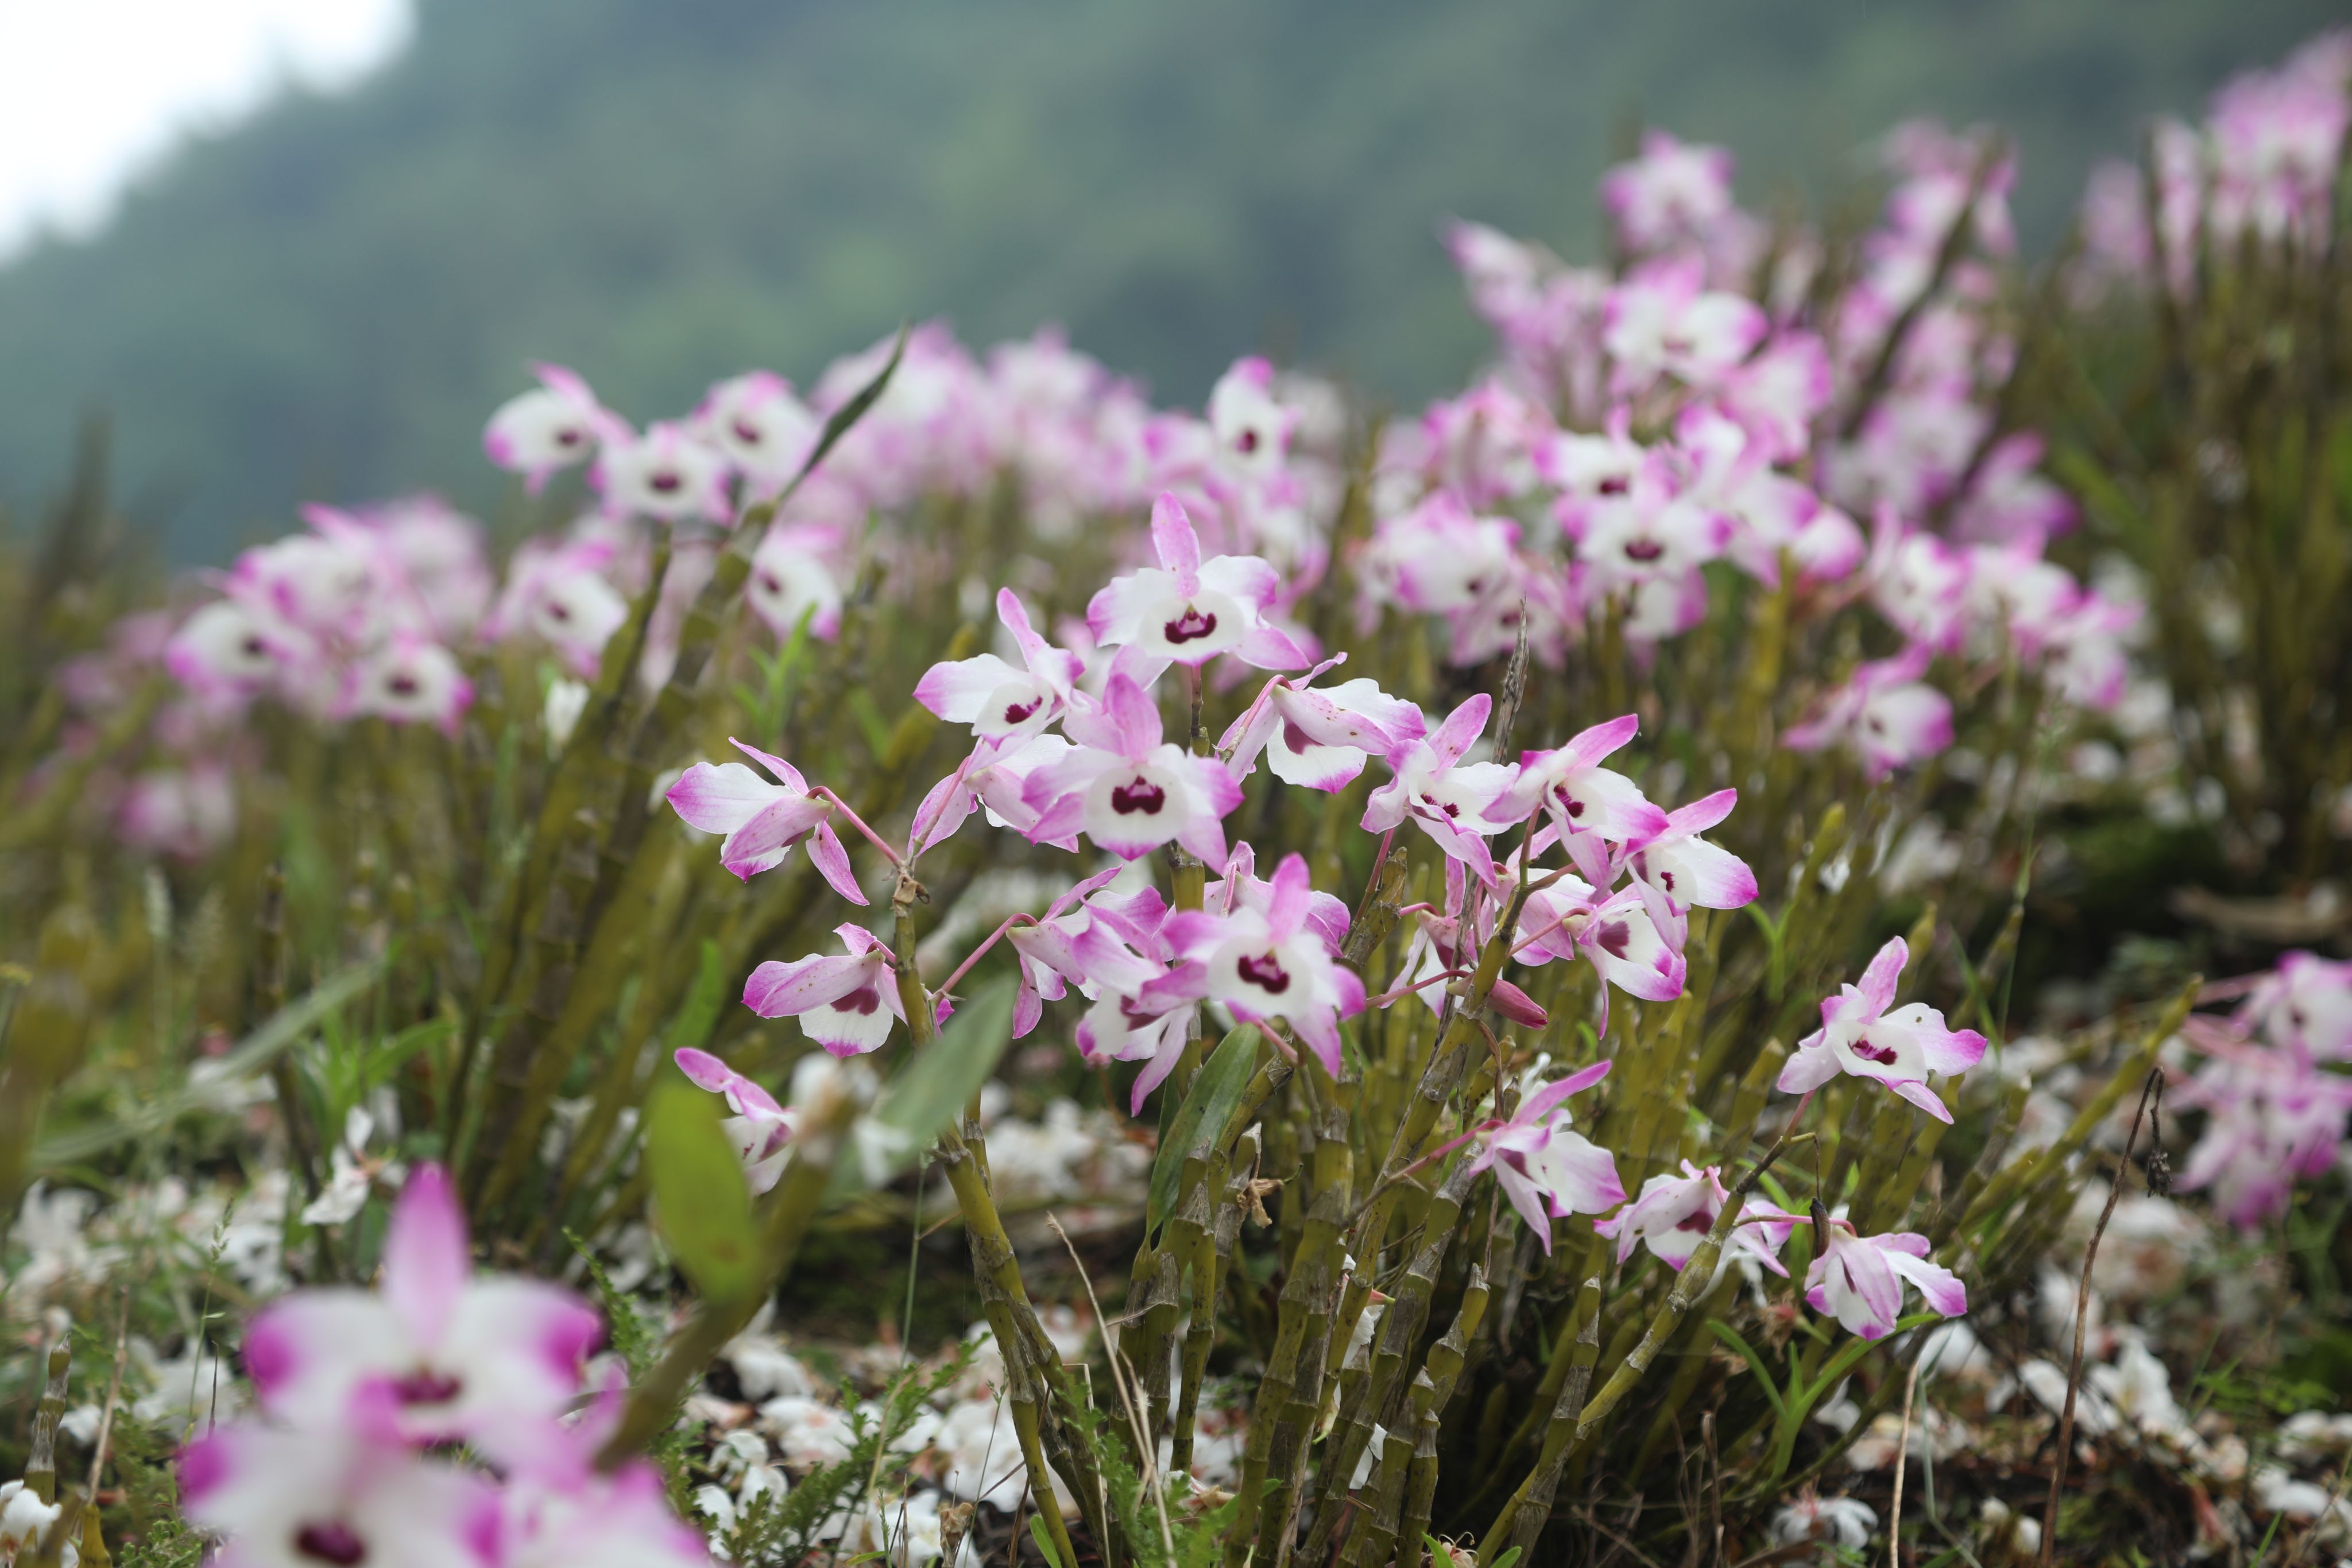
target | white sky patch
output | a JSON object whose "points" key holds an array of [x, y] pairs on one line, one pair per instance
{"points": [[92, 92]]}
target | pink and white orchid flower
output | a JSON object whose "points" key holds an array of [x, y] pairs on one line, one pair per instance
{"points": [[1264, 964], [407, 680], [1683, 871], [1443, 796], [438, 1355], [763, 821], [845, 1003], [668, 474], [1889, 716], [1861, 1038], [307, 1498], [992, 697], [1129, 790], [1545, 1169], [1187, 610], [1319, 737], [1858, 1280], [551, 427], [760, 1131], [1582, 796], [1673, 1214]]}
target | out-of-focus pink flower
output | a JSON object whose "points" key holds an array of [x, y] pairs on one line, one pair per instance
{"points": [[437, 1356], [298, 1500], [229, 650], [1889, 716], [1264, 963], [1548, 1171], [1126, 789], [763, 821], [184, 812], [1861, 1038], [760, 427], [553, 425], [1674, 192], [557, 592], [759, 1131], [1251, 429], [667, 474], [2273, 1118], [1662, 320], [409, 680], [793, 575], [2305, 1003], [1858, 1280], [1673, 1214]]}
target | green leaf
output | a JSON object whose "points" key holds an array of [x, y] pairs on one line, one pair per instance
{"points": [[698, 1015], [931, 1090], [1217, 1088], [1732, 1337], [1044, 1542], [701, 1202], [1507, 1558], [1855, 1350], [289, 1024]]}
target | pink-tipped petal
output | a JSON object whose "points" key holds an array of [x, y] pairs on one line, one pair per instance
{"points": [[832, 861], [425, 1258]]}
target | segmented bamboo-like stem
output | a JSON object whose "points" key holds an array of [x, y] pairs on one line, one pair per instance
{"points": [[1535, 1509], [1211, 1253], [41, 1457]]}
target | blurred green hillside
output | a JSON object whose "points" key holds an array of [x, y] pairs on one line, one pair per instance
{"points": [[328, 300]]}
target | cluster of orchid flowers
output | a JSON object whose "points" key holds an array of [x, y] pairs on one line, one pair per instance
{"points": [[1696, 408], [1063, 752], [443, 1417], [2276, 1102], [2262, 169]]}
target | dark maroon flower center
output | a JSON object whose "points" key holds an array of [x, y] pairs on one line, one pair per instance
{"points": [[664, 481], [1191, 626], [559, 611], [1266, 973], [1295, 738], [1574, 807], [1644, 549], [747, 433], [1615, 484], [332, 1542], [570, 435], [254, 647], [1699, 1218], [1247, 441], [426, 1386], [1615, 936], [1015, 712], [402, 684], [1132, 1012], [863, 1000], [1880, 1054], [1143, 796]]}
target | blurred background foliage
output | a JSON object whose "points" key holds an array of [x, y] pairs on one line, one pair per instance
{"points": [[321, 301]]}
